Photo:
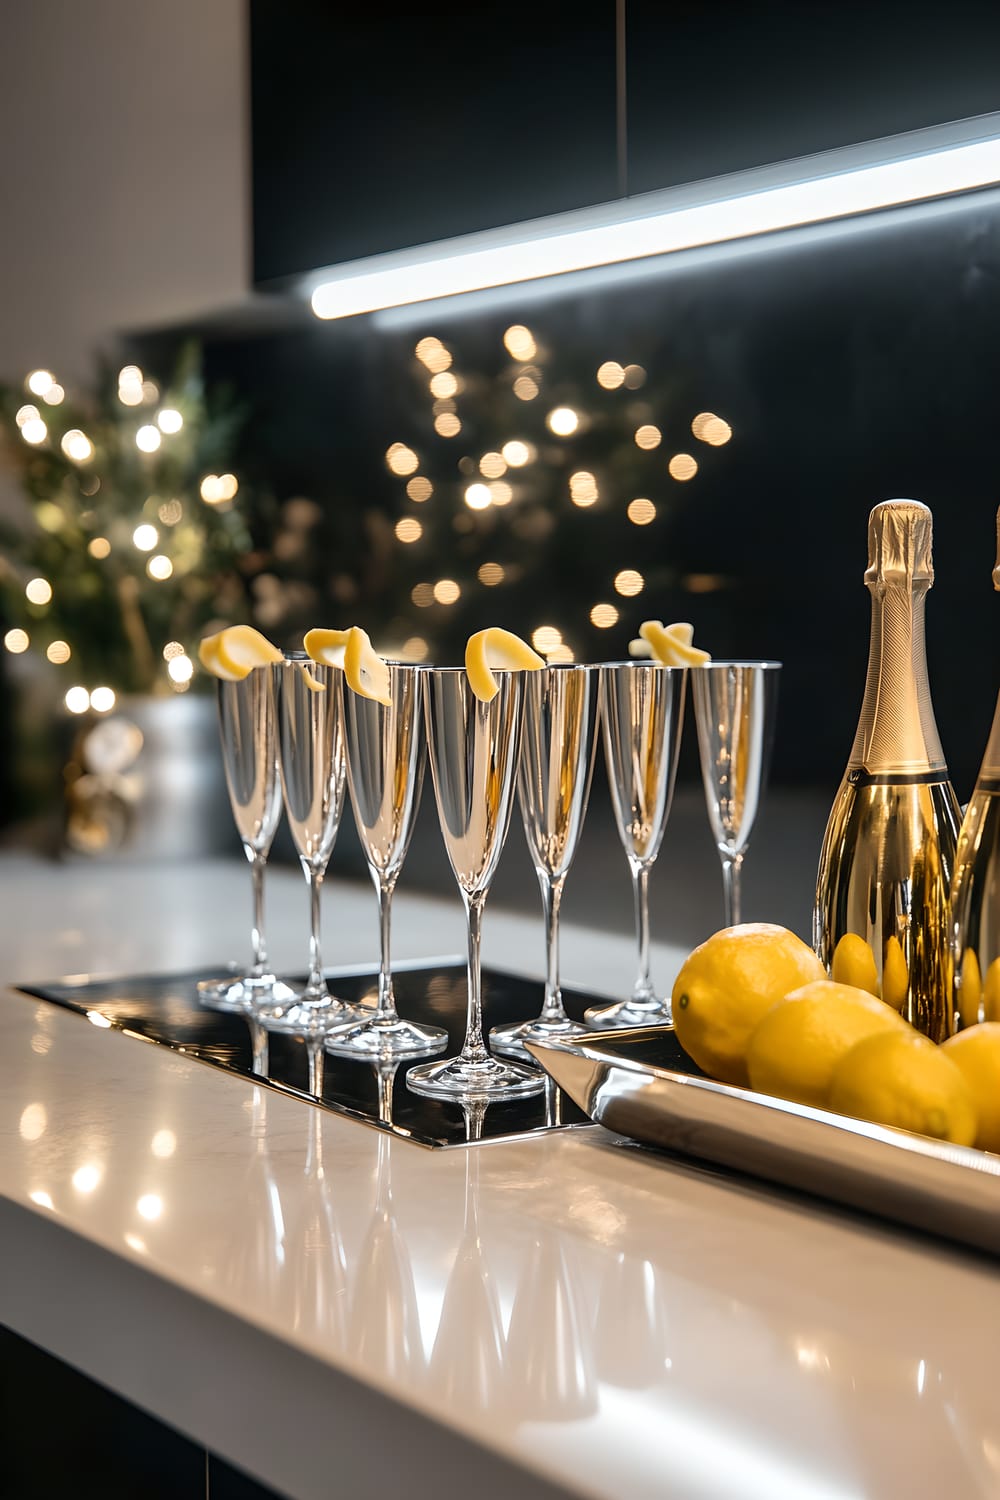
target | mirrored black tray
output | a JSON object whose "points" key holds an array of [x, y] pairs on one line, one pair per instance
{"points": [[165, 1009]]}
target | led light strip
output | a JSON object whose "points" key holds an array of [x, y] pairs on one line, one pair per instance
{"points": [[833, 185]]}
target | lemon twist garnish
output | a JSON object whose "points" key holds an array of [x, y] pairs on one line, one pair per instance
{"points": [[233, 653], [327, 646], [366, 672], [500, 649], [672, 644]]}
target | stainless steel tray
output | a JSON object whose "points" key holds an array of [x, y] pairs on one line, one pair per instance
{"points": [[641, 1084]]}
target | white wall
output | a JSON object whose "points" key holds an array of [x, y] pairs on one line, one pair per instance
{"points": [[124, 171]]}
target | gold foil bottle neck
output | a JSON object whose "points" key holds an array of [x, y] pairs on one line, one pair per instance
{"points": [[996, 570], [900, 542]]}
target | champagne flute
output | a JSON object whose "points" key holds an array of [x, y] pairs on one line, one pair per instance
{"points": [[313, 778], [385, 772], [553, 785], [473, 749], [734, 706], [248, 734], [642, 710]]}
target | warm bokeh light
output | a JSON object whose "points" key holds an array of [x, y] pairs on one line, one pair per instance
{"points": [[170, 512], [99, 547], [150, 392], [419, 489], [145, 537], [38, 591], [168, 420], [16, 641], [26, 414], [546, 639], [500, 492], [416, 648], [583, 489], [150, 1206], [58, 652], [180, 668], [148, 439], [682, 467], [525, 388], [432, 353], [77, 700], [490, 574], [447, 425], [444, 385], [102, 700], [86, 1178], [610, 375], [401, 459], [54, 396], [699, 423], [172, 649], [77, 446], [563, 421], [447, 591], [163, 1144], [640, 512], [422, 595], [519, 342], [33, 1122], [635, 376], [477, 496], [40, 381], [716, 432], [34, 431], [648, 437], [409, 530], [516, 454], [493, 465], [159, 567], [562, 652], [604, 616], [629, 583], [130, 392]]}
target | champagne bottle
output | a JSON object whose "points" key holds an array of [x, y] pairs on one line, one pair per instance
{"points": [[888, 854], [975, 892]]}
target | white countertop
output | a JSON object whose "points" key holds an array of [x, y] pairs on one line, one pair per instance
{"points": [[335, 1310]]}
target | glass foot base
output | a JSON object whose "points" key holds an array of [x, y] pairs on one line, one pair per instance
{"points": [[511, 1038], [244, 992], [381, 1040], [629, 1013], [456, 1078], [306, 1016]]}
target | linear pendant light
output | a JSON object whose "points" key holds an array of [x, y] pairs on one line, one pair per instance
{"points": [[833, 185]]}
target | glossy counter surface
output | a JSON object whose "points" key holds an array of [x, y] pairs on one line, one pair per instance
{"points": [[338, 1311]]}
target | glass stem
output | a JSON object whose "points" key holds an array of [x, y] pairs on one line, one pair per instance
{"points": [[316, 1060], [386, 998], [552, 889], [473, 1049], [643, 991], [732, 865], [258, 864], [315, 984]]}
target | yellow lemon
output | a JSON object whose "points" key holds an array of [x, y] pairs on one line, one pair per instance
{"points": [[902, 1078], [991, 992], [326, 646], [976, 1051], [728, 983], [366, 672], [895, 979], [235, 651], [672, 644], [796, 1046], [496, 649], [854, 964]]}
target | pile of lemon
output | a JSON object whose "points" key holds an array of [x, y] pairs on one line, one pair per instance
{"points": [[753, 1006]]}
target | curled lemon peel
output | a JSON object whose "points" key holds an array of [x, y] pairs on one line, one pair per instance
{"points": [[672, 644], [365, 671], [326, 646], [233, 653], [496, 648]]}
